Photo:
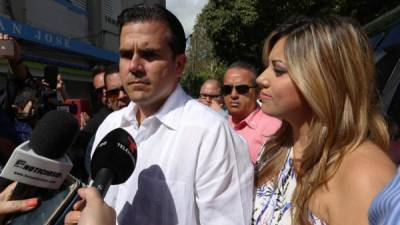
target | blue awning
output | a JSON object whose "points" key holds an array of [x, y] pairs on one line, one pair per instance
{"points": [[54, 40]]}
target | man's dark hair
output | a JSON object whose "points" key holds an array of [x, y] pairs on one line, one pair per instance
{"points": [[113, 68], [243, 65], [246, 66], [155, 12], [98, 68]]}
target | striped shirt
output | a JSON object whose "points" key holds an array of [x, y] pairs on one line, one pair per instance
{"points": [[385, 208]]}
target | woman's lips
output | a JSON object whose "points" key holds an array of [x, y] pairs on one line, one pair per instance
{"points": [[265, 96]]}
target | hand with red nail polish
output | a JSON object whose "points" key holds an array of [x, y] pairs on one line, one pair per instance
{"points": [[7, 206]]}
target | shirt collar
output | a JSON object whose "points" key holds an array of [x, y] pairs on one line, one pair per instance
{"points": [[174, 103], [249, 120]]}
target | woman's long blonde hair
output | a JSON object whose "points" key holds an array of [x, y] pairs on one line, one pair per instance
{"points": [[330, 61]]}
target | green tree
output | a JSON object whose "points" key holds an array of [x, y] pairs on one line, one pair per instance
{"points": [[231, 30], [202, 62], [238, 28]]}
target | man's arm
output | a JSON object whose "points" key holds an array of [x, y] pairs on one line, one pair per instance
{"points": [[224, 181]]}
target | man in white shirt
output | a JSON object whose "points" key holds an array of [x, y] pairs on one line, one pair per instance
{"points": [[191, 167]]}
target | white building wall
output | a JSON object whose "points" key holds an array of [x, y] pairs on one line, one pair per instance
{"points": [[55, 17], [3, 9]]}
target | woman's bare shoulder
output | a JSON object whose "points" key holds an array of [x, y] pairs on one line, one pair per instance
{"points": [[361, 175], [366, 166]]}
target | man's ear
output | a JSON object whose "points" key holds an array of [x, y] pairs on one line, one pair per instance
{"points": [[180, 62]]}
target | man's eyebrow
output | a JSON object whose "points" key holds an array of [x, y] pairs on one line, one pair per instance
{"points": [[124, 50], [149, 49]]}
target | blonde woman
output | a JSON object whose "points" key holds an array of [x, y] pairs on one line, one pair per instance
{"points": [[328, 160]]}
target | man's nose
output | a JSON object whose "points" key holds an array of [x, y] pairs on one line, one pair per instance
{"points": [[234, 93], [121, 94], [136, 67], [209, 99]]}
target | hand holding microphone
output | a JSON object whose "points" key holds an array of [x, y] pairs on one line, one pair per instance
{"points": [[113, 162], [96, 211]]}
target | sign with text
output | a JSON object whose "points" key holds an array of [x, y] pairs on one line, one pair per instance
{"points": [[27, 167], [20, 30]]}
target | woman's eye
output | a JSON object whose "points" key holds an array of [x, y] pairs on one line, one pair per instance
{"points": [[279, 71]]}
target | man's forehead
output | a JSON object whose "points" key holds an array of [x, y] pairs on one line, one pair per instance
{"points": [[238, 78], [113, 77], [210, 88], [98, 80], [151, 28]]}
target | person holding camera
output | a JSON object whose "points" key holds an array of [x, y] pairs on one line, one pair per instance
{"points": [[17, 79]]}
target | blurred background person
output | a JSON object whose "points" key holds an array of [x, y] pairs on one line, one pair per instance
{"points": [[17, 80], [116, 98], [115, 93], [210, 95], [99, 100], [246, 117], [26, 107], [89, 125], [62, 93], [100, 109]]}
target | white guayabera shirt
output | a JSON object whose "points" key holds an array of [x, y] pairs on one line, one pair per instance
{"points": [[191, 167]]}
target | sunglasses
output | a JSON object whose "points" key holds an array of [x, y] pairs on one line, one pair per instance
{"points": [[240, 89], [114, 93], [206, 96], [99, 91]]}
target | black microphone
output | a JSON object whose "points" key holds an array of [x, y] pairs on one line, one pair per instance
{"points": [[54, 134], [42, 169], [49, 141], [114, 160]]}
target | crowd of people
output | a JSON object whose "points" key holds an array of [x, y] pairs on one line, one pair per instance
{"points": [[303, 143]]}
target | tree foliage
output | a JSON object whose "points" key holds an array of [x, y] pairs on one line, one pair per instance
{"points": [[231, 30], [203, 63]]}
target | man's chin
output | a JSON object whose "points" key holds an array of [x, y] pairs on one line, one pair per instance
{"points": [[234, 110], [138, 96]]}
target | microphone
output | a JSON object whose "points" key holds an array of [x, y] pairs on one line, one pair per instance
{"points": [[40, 162], [114, 160], [42, 169]]}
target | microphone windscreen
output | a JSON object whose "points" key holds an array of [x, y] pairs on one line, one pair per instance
{"points": [[117, 151], [53, 134]]}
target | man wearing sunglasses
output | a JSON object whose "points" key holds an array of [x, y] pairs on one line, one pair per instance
{"points": [[98, 85], [246, 117], [210, 95], [89, 125], [115, 93], [99, 110]]}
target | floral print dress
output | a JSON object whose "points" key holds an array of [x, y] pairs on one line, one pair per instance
{"points": [[272, 204]]}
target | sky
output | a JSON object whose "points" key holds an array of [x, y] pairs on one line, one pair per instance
{"points": [[186, 11]]}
